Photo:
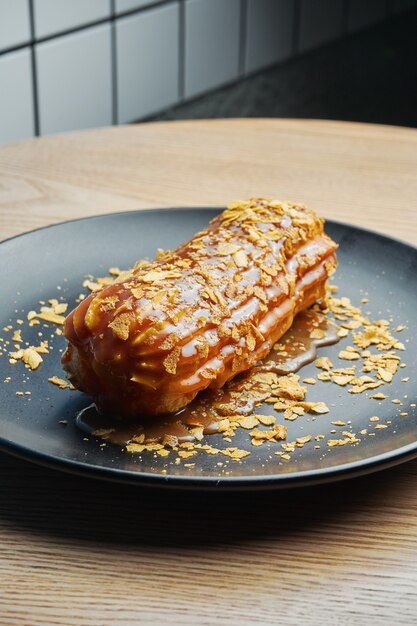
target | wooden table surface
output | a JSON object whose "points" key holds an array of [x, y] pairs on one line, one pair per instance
{"points": [[79, 551]]}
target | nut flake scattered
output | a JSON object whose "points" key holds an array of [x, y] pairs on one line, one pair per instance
{"points": [[324, 363], [266, 420], [50, 316], [286, 393], [17, 336], [60, 382], [29, 356], [318, 407], [91, 285], [348, 355], [248, 422]]}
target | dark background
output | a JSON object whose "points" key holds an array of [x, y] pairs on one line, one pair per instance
{"points": [[368, 76]]}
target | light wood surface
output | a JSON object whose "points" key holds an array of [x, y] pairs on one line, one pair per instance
{"points": [[78, 551]]}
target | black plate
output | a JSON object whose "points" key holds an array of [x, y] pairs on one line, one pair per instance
{"points": [[54, 261]]}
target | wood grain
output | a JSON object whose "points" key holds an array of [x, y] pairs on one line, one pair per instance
{"points": [[359, 173], [77, 551]]}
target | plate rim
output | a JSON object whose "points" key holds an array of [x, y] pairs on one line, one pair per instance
{"points": [[325, 475], [362, 229], [283, 480]]}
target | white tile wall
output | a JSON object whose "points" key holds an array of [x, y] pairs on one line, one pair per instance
{"points": [[164, 47], [74, 81], [130, 5], [53, 16], [14, 23], [320, 22], [16, 101], [361, 14], [212, 32], [147, 48], [269, 34]]}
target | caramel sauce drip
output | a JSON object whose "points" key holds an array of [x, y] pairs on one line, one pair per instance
{"points": [[201, 314], [240, 396]]}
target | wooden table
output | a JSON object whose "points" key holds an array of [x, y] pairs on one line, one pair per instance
{"points": [[78, 551]]}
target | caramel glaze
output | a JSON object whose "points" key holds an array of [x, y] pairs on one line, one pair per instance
{"points": [[200, 315], [239, 396]]}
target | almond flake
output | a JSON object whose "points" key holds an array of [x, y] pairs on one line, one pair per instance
{"points": [[156, 276], [226, 249], [240, 259], [319, 407], [170, 362], [342, 380], [324, 363], [121, 325], [347, 355], [303, 440], [17, 335], [91, 285], [31, 358], [50, 316], [266, 420], [248, 422], [60, 308], [317, 333], [60, 382]]}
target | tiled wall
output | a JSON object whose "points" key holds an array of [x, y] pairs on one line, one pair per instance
{"points": [[73, 64]]}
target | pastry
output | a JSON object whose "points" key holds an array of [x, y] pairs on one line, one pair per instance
{"points": [[200, 314]]}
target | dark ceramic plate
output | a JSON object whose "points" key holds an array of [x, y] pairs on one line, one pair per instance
{"points": [[54, 261]]}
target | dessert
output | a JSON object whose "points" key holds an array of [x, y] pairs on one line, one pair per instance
{"points": [[199, 315]]}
